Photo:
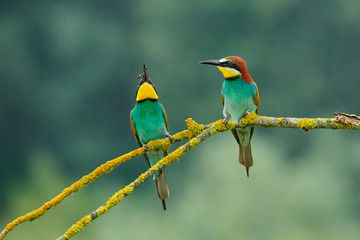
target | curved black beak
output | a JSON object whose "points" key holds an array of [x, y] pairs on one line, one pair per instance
{"points": [[211, 62]]}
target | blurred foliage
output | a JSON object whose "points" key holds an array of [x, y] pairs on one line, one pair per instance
{"points": [[68, 76]]}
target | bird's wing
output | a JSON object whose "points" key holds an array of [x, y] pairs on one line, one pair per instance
{"points": [[222, 100], [257, 103], [165, 117], [256, 98], [133, 129]]}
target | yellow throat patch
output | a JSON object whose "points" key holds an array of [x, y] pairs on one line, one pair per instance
{"points": [[146, 91], [229, 72]]}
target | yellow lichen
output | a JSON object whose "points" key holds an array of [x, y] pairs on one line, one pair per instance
{"points": [[174, 156], [230, 125], [104, 168], [166, 160], [194, 142], [101, 210], [249, 119], [166, 145], [306, 123], [221, 127], [77, 227], [155, 144], [346, 126], [193, 127], [181, 135]]}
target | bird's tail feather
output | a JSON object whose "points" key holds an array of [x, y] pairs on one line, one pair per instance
{"points": [[162, 188], [245, 157]]}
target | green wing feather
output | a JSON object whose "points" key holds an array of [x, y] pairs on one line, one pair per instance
{"points": [[257, 103], [133, 129], [257, 98], [165, 117]]}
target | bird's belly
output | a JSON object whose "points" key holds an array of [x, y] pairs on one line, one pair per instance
{"points": [[236, 108], [151, 132]]}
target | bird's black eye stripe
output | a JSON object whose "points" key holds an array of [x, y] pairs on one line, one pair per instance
{"points": [[227, 64], [231, 65], [236, 67]]}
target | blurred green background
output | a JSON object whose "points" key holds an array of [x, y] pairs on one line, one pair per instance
{"points": [[68, 76]]}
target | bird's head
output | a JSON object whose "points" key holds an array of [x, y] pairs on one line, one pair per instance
{"points": [[145, 89], [231, 67]]}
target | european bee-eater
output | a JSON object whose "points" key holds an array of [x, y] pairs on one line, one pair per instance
{"points": [[240, 96], [149, 122]]}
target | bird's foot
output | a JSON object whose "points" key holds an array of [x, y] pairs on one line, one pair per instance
{"points": [[144, 147], [246, 113], [226, 119], [170, 137]]}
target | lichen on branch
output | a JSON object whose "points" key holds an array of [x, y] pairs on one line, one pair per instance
{"points": [[122, 193], [253, 119], [196, 133]]}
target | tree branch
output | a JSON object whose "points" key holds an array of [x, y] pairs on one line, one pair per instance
{"points": [[107, 167], [196, 133], [121, 194], [340, 122]]}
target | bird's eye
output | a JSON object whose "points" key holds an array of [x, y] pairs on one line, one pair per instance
{"points": [[229, 63]]}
